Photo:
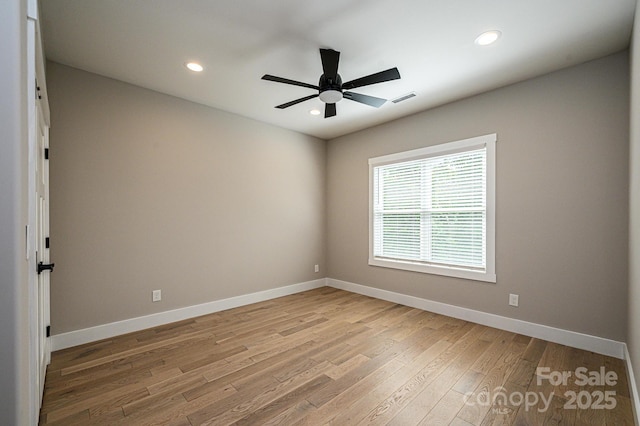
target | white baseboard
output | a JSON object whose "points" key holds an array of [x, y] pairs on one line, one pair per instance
{"points": [[105, 331], [565, 337], [633, 388], [556, 335]]}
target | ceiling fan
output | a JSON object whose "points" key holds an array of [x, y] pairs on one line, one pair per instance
{"points": [[331, 89]]}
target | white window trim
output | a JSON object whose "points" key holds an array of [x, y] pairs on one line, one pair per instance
{"points": [[488, 141]]}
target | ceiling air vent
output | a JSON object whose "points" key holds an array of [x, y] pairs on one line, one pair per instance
{"points": [[404, 97]]}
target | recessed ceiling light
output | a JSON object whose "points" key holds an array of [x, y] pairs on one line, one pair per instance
{"points": [[194, 66], [488, 37], [314, 111]]}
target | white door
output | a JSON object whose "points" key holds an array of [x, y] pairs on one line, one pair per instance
{"points": [[37, 231], [42, 248]]}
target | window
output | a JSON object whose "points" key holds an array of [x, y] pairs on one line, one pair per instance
{"points": [[432, 209]]}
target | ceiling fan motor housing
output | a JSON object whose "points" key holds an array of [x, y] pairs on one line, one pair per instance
{"points": [[330, 90]]}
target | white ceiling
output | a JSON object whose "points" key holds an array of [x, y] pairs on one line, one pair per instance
{"points": [[147, 42]]}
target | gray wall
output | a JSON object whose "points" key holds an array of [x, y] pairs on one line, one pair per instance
{"points": [[14, 304], [562, 198], [152, 192], [633, 339], [149, 191]]}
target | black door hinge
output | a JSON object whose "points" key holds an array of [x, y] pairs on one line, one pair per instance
{"points": [[48, 331], [46, 242], [46, 153]]}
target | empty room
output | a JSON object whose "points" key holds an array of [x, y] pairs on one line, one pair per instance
{"points": [[309, 213]]}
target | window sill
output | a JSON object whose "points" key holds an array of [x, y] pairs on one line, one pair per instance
{"points": [[435, 270]]}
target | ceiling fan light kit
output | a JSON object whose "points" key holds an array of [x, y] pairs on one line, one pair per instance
{"points": [[331, 96], [330, 87]]}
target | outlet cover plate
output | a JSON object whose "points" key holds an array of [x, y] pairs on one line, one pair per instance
{"points": [[513, 299]]}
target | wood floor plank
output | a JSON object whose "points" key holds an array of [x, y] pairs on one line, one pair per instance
{"points": [[337, 409], [170, 413], [278, 406], [499, 345], [429, 397], [324, 356], [536, 413], [97, 389], [534, 351], [142, 353], [276, 400], [369, 399], [338, 386], [216, 408], [468, 382], [445, 410], [153, 401], [557, 415], [623, 415], [340, 370], [404, 395], [493, 382], [291, 415], [211, 358]]}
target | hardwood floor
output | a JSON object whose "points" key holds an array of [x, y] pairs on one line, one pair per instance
{"points": [[329, 356]]}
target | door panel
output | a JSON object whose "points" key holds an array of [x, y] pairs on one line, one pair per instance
{"points": [[42, 254]]}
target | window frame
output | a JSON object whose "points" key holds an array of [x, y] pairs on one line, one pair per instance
{"points": [[485, 141]]}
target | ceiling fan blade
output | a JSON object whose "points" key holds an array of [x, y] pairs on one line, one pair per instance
{"points": [[329, 110], [379, 77], [364, 99], [330, 59], [287, 81], [297, 101]]}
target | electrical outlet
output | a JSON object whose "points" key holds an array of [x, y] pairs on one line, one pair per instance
{"points": [[317, 268], [156, 295], [513, 299]]}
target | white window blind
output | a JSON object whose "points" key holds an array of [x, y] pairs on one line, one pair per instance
{"points": [[430, 210]]}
